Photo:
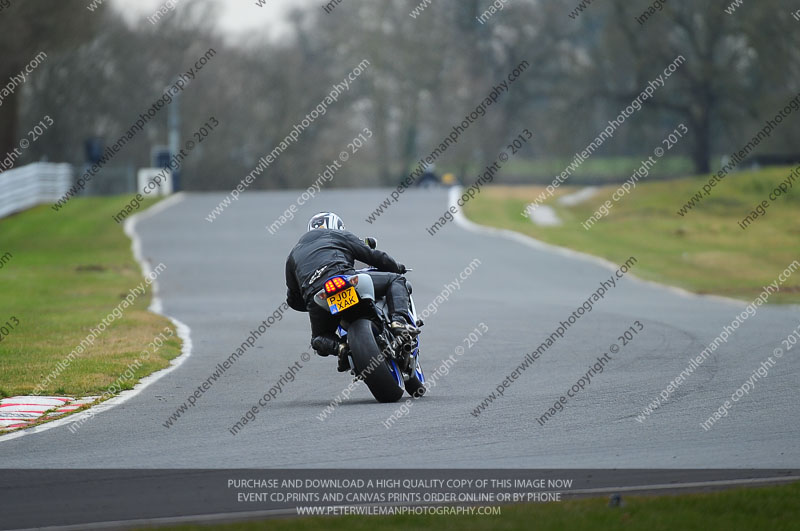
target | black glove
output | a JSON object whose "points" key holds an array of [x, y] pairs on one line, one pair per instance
{"points": [[401, 269], [372, 243]]}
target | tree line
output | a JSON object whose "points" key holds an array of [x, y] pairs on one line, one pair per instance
{"points": [[423, 74]]}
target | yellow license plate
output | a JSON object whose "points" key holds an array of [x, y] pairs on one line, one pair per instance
{"points": [[343, 300]]}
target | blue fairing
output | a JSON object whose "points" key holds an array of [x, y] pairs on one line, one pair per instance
{"points": [[396, 373]]}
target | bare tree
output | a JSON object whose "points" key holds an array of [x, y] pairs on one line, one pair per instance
{"points": [[28, 28], [718, 86]]}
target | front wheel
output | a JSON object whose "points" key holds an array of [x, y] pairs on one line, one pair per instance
{"points": [[415, 384], [379, 373]]}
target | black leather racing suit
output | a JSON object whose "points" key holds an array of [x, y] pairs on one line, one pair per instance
{"points": [[323, 253]]}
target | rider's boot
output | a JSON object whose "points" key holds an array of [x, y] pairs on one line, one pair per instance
{"points": [[344, 362], [400, 326], [327, 346]]}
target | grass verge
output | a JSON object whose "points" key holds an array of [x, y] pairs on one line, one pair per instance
{"points": [[773, 508], [705, 251], [595, 170], [67, 272]]}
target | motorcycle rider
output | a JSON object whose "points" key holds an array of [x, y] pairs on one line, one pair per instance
{"points": [[327, 250]]}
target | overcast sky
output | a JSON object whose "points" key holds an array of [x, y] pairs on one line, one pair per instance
{"points": [[237, 15]]}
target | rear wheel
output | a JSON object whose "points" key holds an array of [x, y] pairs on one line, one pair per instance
{"points": [[379, 373]]}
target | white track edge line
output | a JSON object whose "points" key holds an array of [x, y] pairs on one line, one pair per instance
{"points": [[530, 241], [156, 306]]}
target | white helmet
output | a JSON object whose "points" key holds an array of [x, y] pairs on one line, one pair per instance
{"points": [[326, 220]]}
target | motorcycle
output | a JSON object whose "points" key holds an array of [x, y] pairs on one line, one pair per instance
{"points": [[388, 364]]}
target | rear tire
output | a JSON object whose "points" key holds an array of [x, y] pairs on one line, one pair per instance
{"points": [[366, 355], [415, 388]]}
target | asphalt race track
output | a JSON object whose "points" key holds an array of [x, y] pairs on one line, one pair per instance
{"points": [[224, 278]]}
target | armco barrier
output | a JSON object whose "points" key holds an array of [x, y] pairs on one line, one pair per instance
{"points": [[27, 186]]}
